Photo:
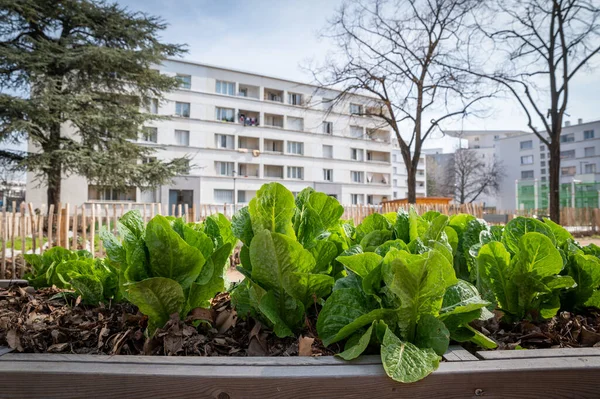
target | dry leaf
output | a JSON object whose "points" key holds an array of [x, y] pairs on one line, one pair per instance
{"points": [[201, 314], [225, 320], [14, 341], [305, 346], [58, 347]]}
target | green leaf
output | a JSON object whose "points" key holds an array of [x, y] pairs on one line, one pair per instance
{"points": [[519, 226], [361, 345], [537, 254], [241, 225], [498, 272], [560, 233], [158, 298], [89, 287], [170, 255], [402, 226], [432, 333], [324, 253], [271, 308], [315, 213], [585, 271], [373, 222], [272, 209], [435, 231], [417, 225], [420, 282], [134, 223], [361, 264], [405, 362], [374, 239], [462, 297], [199, 240], [452, 238], [386, 246]]}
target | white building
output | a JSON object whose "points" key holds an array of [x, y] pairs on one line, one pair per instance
{"points": [[526, 185], [243, 130], [400, 176]]}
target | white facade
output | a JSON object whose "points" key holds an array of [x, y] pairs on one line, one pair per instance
{"points": [[527, 161], [297, 138], [400, 177]]}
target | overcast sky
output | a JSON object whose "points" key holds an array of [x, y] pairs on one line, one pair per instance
{"points": [[276, 37]]}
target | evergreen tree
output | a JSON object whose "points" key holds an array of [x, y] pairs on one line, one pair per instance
{"points": [[75, 76]]}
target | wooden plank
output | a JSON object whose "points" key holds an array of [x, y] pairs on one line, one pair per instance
{"points": [[115, 219], [23, 242], [41, 230], [456, 353], [83, 227], [93, 232], [75, 227], [4, 349], [13, 232], [527, 378], [537, 353], [59, 215], [50, 225], [67, 219], [32, 217]]}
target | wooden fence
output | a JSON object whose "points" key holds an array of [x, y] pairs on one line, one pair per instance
{"points": [[28, 229]]}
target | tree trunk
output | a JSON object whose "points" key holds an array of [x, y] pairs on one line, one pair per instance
{"points": [[412, 184], [554, 168], [54, 171]]}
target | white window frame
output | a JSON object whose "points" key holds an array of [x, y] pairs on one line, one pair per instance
{"points": [[328, 175], [180, 109], [227, 139], [527, 160], [221, 114], [223, 168], [185, 81], [330, 150], [295, 147], [219, 193], [149, 134], [357, 176], [356, 109], [295, 172], [589, 151], [526, 145], [327, 127], [354, 154], [225, 88], [295, 98]]}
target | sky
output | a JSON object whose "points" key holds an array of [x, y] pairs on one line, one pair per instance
{"points": [[275, 37]]}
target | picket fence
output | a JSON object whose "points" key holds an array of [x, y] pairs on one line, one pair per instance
{"points": [[36, 229]]}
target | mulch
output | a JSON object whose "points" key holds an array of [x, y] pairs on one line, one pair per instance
{"points": [[52, 320]]}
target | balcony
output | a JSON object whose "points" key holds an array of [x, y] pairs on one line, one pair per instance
{"points": [[275, 146], [248, 118], [378, 178], [248, 91], [273, 95], [379, 135], [248, 143], [273, 171], [273, 120], [248, 170], [378, 156]]}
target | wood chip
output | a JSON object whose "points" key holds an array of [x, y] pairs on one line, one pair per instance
{"points": [[305, 346]]}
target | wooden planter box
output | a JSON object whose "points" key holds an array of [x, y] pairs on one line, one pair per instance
{"points": [[548, 373]]}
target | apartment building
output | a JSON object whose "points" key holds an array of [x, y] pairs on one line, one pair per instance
{"points": [[400, 176], [242, 130], [526, 185], [483, 143]]}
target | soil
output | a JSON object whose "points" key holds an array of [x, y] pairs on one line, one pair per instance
{"points": [[51, 320]]}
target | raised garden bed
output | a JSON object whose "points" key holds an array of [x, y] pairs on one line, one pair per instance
{"points": [[551, 373]]}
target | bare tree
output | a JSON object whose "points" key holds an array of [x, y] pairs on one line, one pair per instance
{"points": [[400, 53], [11, 176], [437, 177], [469, 176], [540, 47]]}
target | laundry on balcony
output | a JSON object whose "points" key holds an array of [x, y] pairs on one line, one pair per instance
{"points": [[247, 120]]}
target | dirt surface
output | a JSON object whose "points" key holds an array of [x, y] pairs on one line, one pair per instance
{"points": [[589, 240], [565, 330], [45, 321]]}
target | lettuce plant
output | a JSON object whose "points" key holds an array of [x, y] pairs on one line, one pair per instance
{"points": [[169, 266], [95, 280], [402, 296], [289, 247]]}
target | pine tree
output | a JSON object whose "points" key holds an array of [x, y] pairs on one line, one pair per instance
{"points": [[74, 78]]}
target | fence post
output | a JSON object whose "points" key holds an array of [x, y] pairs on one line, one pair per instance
{"points": [[93, 231], [4, 238], [65, 230], [23, 243], [50, 225], [75, 227]]}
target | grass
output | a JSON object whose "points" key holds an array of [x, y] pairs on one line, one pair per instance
{"points": [[28, 243]]}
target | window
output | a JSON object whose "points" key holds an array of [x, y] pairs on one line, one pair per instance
{"points": [[588, 134], [327, 104], [152, 106], [357, 199], [543, 178], [185, 81], [542, 148], [567, 138], [395, 194], [357, 177], [224, 114], [182, 109], [568, 171], [496, 137], [476, 138], [356, 131], [327, 151], [527, 174], [224, 141], [223, 196], [395, 182], [295, 172], [227, 88], [328, 174], [295, 123], [356, 109], [543, 171], [328, 127], [543, 163], [395, 158], [295, 147], [294, 98], [590, 151], [590, 168], [356, 154], [186, 168], [395, 170], [527, 145], [150, 134], [567, 154], [224, 168], [101, 193], [182, 137], [147, 160], [542, 156], [527, 160]]}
